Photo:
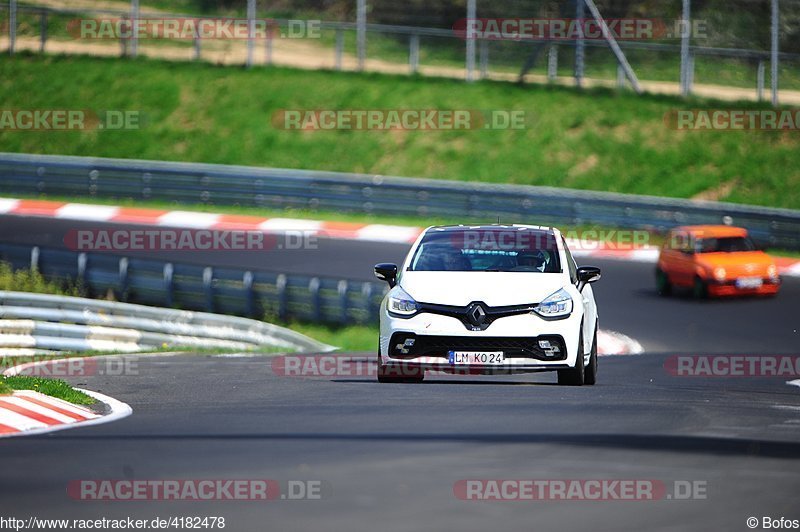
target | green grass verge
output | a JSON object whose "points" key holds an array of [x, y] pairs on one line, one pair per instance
{"points": [[52, 387], [348, 339], [594, 139]]}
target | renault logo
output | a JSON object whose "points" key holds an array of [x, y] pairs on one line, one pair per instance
{"points": [[476, 314]]}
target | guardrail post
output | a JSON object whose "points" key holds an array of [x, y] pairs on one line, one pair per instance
{"points": [[83, 263], [342, 289], [366, 293], [775, 20], [169, 285], [249, 294], [686, 23], [339, 48], [280, 288], [690, 74], [124, 279], [316, 300], [35, 252], [208, 287], [251, 27], [42, 30], [134, 28], [760, 80], [413, 53]]}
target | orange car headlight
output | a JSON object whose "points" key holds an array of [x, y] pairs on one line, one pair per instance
{"points": [[719, 274], [772, 271]]}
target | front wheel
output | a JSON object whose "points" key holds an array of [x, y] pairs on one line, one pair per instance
{"points": [[574, 376], [663, 286], [699, 288], [398, 373], [590, 373]]}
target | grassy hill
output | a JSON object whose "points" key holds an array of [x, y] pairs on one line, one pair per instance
{"points": [[599, 139]]}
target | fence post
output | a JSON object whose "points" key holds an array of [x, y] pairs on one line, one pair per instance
{"points": [[268, 43], [42, 30], [774, 60], [251, 27], [552, 62], [316, 299], [169, 284], [685, 38], [580, 45], [413, 53], [690, 74], [361, 32], [12, 26], [484, 58], [208, 287], [196, 43], [471, 16], [760, 80], [134, 28], [339, 48]]}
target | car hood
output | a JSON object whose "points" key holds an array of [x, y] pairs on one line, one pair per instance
{"points": [[740, 263], [493, 288]]}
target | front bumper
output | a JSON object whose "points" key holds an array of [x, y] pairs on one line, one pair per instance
{"points": [[728, 287], [517, 337]]}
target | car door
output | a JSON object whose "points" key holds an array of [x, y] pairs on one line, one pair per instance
{"points": [[587, 300]]}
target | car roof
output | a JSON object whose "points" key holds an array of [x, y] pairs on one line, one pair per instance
{"points": [[712, 231], [489, 226]]}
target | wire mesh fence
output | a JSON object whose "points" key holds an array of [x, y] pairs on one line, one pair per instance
{"points": [[727, 43]]}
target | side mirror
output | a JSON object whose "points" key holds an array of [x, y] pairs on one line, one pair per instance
{"points": [[386, 271], [586, 275]]}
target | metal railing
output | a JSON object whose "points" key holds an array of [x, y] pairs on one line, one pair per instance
{"points": [[478, 54], [192, 183], [253, 294]]}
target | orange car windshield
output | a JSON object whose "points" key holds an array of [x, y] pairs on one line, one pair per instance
{"points": [[724, 245]]}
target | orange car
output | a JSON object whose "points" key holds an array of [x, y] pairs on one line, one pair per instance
{"points": [[715, 260]]}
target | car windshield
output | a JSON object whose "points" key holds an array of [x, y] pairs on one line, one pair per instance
{"points": [[731, 244], [487, 250]]}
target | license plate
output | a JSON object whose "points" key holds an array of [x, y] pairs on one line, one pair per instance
{"points": [[749, 282], [476, 358]]}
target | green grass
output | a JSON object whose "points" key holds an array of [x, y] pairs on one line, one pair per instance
{"points": [[52, 387], [348, 339], [597, 139], [32, 281]]}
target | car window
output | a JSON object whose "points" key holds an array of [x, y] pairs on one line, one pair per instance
{"points": [[487, 249], [724, 245], [573, 268]]}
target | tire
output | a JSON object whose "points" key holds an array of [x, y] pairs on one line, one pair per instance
{"points": [[590, 372], [663, 286], [574, 376], [699, 288], [398, 375]]}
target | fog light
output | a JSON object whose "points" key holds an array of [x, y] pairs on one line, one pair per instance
{"points": [[544, 344]]}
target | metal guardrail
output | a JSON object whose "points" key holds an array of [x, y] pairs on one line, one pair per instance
{"points": [[374, 194], [45, 323], [253, 294]]}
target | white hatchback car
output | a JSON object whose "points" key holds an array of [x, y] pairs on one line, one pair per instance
{"points": [[490, 299]]}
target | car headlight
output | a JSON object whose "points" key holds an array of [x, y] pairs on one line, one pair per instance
{"points": [[556, 305], [772, 271], [719, 274], [400, 303]]}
